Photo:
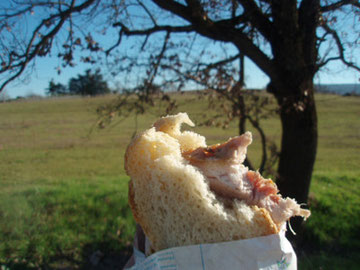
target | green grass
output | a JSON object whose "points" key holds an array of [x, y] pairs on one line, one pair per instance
{"points": [[64, 190], [44, 223], [332, 238]]}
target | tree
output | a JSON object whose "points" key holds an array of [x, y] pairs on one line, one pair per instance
{"points": [[91, 84], [88, 84], [56, 89], [289, 40]]}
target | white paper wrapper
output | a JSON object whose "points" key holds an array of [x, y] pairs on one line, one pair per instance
{"points": [[268, 252]]}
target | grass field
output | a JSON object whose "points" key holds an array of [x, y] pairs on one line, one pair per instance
{"points": [[64, 190]]}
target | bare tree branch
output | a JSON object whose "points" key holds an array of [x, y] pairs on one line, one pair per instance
{"points": [[259, 129], [339, 4], [159, 58], [196, 79], [222, 62], [29, 55], [258, 19], [43, 46], [221, 31], [155, 29], [147, 32], [31, 5], [17, 13], [118, 42], [175, 8], [340, 47], [147, 12]]}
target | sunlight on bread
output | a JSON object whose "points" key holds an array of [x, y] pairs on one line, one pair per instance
{"points": [[183, 192]]}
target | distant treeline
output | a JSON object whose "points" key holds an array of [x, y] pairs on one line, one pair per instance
{"points": [[341, 89], [88, 84]]}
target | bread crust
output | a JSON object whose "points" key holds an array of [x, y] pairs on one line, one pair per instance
{"points": [[144, 223]]}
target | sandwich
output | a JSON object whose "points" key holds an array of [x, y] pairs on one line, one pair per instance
{"points": [[183, 192]]}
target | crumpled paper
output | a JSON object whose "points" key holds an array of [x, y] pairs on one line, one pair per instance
{"points": [[265, 253]]}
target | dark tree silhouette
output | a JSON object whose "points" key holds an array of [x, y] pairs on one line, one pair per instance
{"points": [[89, 84], [56, 89]]}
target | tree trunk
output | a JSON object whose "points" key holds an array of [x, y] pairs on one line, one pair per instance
{"points": [[298, 144]]}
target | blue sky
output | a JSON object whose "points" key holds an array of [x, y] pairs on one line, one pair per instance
{"points": [[46, 69]]}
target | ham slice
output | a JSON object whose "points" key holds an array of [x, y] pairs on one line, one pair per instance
{"points": [[222, 165]]}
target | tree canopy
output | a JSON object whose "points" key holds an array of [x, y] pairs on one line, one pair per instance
{"points": [[91, 84], [56, 89], [170, 34]]}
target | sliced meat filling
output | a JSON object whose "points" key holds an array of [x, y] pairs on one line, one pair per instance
{"points": [[222, 165]]}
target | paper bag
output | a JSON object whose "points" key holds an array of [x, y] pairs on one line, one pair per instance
{"points": [[268, 252]]}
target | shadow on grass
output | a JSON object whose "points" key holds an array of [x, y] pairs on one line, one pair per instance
{"points": [[75, 226], [100, 260], [315, 252], [331, 239], [92, 258]]}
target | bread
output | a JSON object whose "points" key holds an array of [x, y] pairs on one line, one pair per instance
{"points": [[171, 199]]}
